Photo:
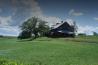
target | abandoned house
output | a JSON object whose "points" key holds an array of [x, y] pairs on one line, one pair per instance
{"points": [[63, 29]]}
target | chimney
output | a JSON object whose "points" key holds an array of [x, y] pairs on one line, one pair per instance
{"points": [[57, 23], [61, 21]]}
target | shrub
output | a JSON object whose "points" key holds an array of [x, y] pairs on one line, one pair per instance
{"points": [[1, 35]]}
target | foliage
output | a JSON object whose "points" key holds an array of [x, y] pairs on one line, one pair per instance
{"points": [[81, 34], [24, 35], [30, 24], [42, 27], [1, 36], [95, 34], [35, 26]]}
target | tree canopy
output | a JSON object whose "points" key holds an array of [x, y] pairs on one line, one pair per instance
{"points": [[35, 26]]}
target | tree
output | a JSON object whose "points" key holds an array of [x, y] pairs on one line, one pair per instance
{"points": [[74, 26], [25, 34], [34, 26], [95, 33], [43, 28], [1, 36], [30, 24]]}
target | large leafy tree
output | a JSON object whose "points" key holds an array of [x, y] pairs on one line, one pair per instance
{"points": [[35, 26], [42, 27], [30, 24]]}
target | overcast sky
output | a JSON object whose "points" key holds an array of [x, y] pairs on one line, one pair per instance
{"points": [[15, 12]]}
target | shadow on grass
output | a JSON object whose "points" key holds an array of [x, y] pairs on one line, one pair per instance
{"points": [[25, 40], [83, 40], [44, 40]]}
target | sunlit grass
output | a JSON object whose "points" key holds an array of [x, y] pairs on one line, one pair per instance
{"points": [[49, 51]]}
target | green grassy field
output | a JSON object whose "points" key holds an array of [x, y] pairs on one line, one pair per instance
{"points": [[48, 51]]}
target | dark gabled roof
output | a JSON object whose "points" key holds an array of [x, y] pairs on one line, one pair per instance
{"points": [[64, 26]]}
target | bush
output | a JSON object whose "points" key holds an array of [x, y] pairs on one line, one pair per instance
{"points": [[81, 34], [1, 35]]}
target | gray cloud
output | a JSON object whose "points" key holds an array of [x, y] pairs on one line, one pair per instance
{"points": [[28, 6], [34, 10], [72, 12], [24, 9], [0, 10], [21, 10], [96, 18], [87, 29], [5, 21]]}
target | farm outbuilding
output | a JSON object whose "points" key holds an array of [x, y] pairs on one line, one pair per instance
{"points": [[63, 29]]}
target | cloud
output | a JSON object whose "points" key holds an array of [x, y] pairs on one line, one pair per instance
{"points": [[5, 21], [97, 28], [96, 18], [36, 11], [21, 10], [24, 9], [9, 30], [0, 10], [87, 29], [29, 6], [51, 20], [72, 12]]}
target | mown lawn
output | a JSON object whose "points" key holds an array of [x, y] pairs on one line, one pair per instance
{"points": [[48, 51]]}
